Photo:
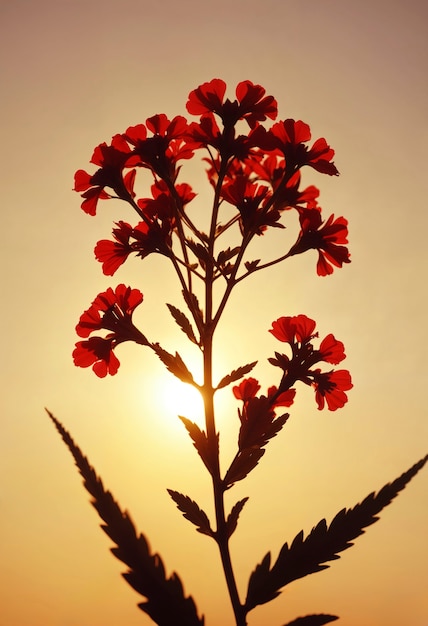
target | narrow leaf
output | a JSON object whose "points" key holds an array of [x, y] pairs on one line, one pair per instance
{"points": [[174, 364], [192, 512], [245, 461], [207, 453], [313, 620], [307, 556], [193, 303], [232, 519], [165, 601], [182, 322], [236, 375]]}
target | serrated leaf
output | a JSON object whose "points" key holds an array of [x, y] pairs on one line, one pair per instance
{"points": [[236, 375], [193, 303], [226, 255], [174, 364], [200, 252], [232, 518], [310, 555], [313, 620], [245, 461], [182, 321], [192, 512], [165, 602], [207, 453]]}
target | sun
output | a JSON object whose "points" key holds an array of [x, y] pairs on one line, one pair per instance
{"points": [[178, 398]]}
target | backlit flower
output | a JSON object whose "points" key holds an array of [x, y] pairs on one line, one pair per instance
{"points": [[251, 103], [112, 160], [290, 138], [327, 237], [111, 310], [330, 388], [298, 332]]}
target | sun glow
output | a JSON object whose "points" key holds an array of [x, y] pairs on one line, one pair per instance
{"points": [[177, 398]]}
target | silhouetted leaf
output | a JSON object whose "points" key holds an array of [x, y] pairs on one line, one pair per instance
{"points": [[192, 512], [236, 375], [245, 461], [306, 556], [313, 620], [200, 441], [200, 252], [192, 302], [250, 266], [166, 603], [174, 364], [232, 518], [182, 322], [226, 255]]}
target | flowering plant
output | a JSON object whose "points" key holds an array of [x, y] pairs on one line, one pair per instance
{"points": [[255, 173]]}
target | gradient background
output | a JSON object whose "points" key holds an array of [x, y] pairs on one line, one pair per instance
{"points": [[73, 73]]}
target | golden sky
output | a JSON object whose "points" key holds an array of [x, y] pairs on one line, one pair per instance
{"points": [[75, 72]]}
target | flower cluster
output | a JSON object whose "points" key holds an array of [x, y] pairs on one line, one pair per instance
{"points": [[258, 173], [298, 332], [111, 310], [254, 169]]}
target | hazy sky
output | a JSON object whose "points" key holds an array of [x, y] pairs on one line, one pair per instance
{"points": [[73, 73]]}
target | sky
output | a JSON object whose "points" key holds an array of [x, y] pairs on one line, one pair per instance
{"points": [[73, 74]]}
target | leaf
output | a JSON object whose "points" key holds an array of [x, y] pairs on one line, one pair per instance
{"points": [[232, 518], [226, 255], [313, 620], [174, 364], [307, 556], [165, 601], [183, 323], [245, 461], [236, 375], [250, 266], [193, 303], [200, 441], [200, 252], [192, 512]]}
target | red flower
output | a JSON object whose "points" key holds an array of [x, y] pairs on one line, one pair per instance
{"points": [[112, 159], [246, 389], [290, 137], [249, 198], [298, 332], [331, 350], [297, 327], [251, 104], [152, 235], [113, 253], [285, 398], [111, 310], [97, 352], [330, 387], [326, 237], [161, 152]]}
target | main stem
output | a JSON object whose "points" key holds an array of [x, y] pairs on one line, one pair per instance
{"points": [[222, 537]]}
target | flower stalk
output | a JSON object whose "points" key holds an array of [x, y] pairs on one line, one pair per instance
{"points": [[255, 171]]}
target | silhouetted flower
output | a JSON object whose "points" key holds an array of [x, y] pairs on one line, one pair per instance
{"points": [[290, 137], [327, 237], [330, 387], [111, 310], [113, 159], [168, 144], [298, 332], [251, 103]]}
